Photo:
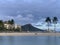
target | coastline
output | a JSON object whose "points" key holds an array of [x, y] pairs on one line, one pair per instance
{"points": [[30, 34]]}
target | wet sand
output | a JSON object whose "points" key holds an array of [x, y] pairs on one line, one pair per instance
{"points": [[30, 34]]}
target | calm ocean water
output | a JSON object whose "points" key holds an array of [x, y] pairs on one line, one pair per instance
{"points": [[29, 40]]}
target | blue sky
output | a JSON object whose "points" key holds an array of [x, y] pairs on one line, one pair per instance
{"points": [[29, 11]]}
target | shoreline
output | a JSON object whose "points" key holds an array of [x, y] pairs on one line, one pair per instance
{"points": [[30, 34]]}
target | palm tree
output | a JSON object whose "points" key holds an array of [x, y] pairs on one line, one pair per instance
{"points": [[55, 19], [1, 25], [48, 20], [11, 22]]}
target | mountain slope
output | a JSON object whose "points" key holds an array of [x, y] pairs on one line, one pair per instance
{"points": [[29, 27]]}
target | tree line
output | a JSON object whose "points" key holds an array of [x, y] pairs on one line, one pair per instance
{"points": [[8, 22], [54, 21], [2, 28], [11, 22]]}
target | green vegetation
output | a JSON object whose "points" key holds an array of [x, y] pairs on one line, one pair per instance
{"points": [[10, 25], [48, 20], [1, 26], [11, 22], [55, 19], [17, 30]]}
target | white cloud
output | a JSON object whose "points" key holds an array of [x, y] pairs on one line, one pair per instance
{"points": [[19, 18], [6, 17], [29, 17], [43, 25]]}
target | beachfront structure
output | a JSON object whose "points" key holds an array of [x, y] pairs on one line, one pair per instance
{"points": [[11, 26], [17, 26], [8, 26]]}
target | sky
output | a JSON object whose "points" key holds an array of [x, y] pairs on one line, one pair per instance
{"points": [[29, 11]]}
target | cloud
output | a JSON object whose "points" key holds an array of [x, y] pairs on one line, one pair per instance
{"points": [[28, 17], [6, 17], [19, 18], [43, 25], [36, 8], [25, 11]]}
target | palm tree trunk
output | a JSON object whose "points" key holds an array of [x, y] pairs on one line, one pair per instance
{"points": [[54, 27], [48, 27], [20, 29]]}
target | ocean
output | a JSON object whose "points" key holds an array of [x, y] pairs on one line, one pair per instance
{"points": [[29, 40]]}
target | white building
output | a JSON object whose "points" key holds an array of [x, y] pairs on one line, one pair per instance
{"points": [[9, 26], [17, 26]]}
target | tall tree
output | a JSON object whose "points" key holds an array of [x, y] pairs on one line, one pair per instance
{"points": [[11, 22], [48, 20], [1, 25], [55, 19]]}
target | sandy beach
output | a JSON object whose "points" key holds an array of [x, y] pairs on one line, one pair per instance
{"points": [[30, 34]]}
